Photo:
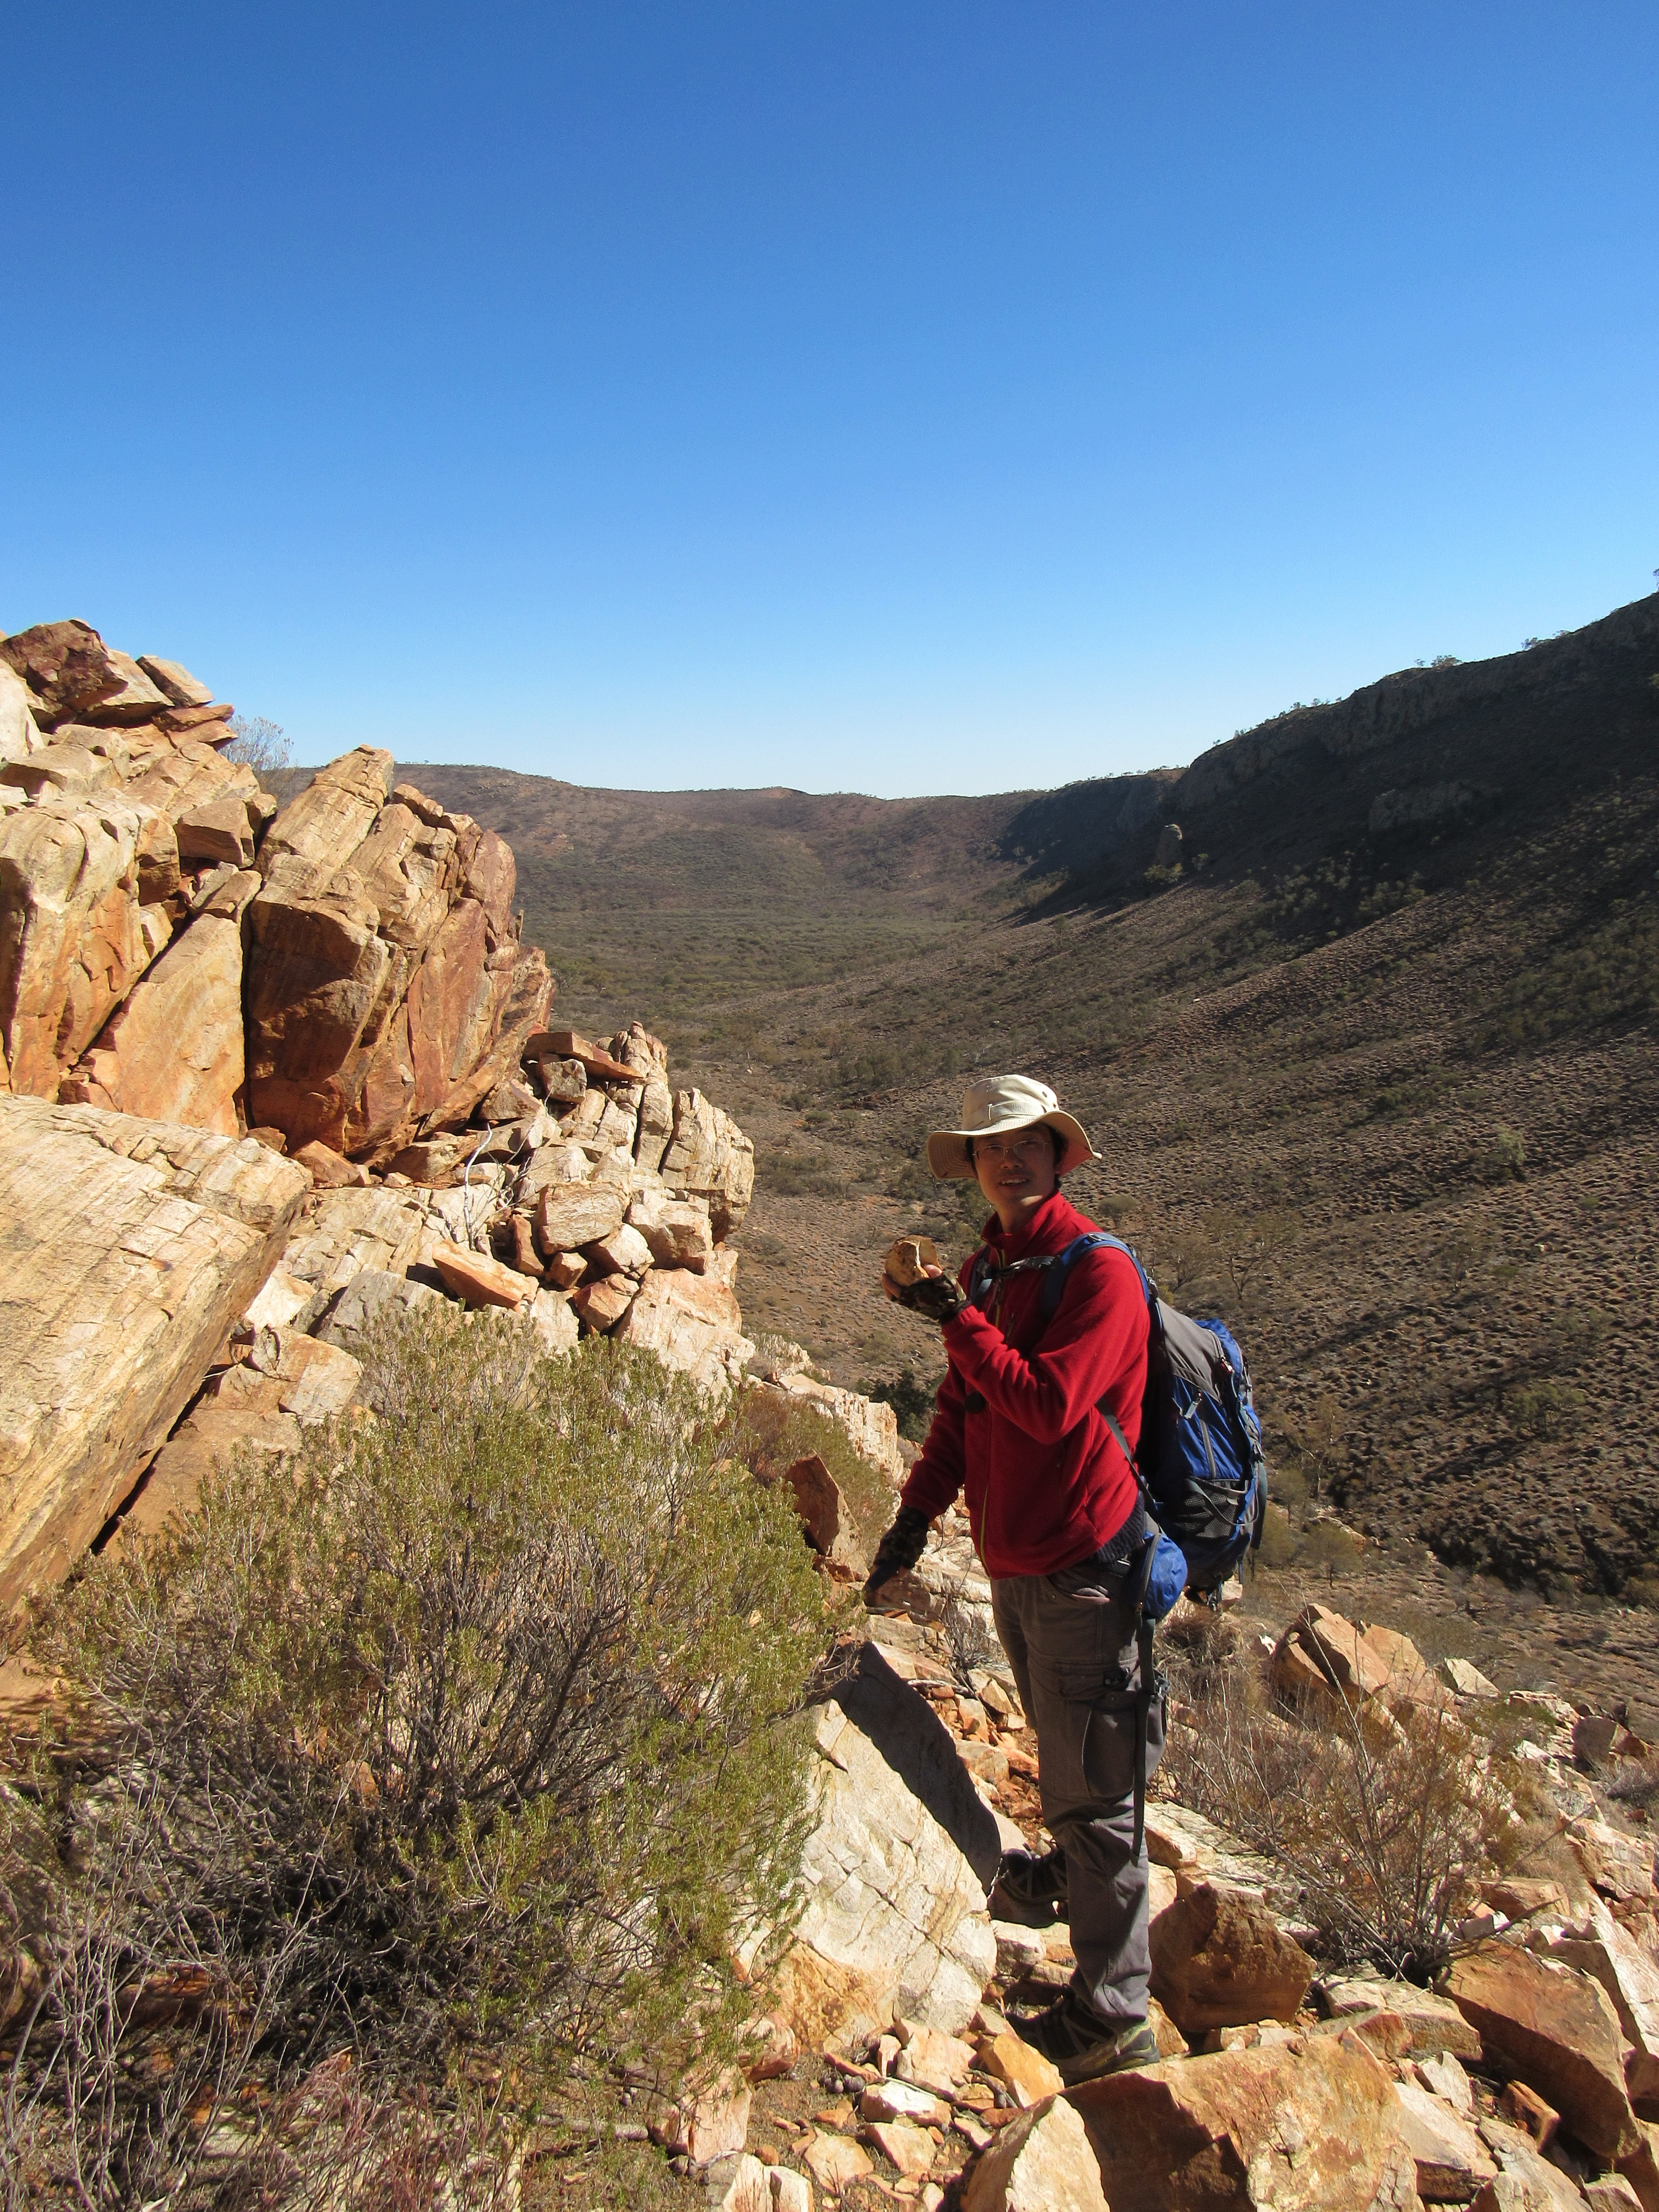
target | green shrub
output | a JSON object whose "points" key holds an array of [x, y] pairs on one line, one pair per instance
{"points": [[1504, 1159], [912, 1402], [471, 1721]]}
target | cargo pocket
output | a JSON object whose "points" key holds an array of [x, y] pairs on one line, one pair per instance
{"points": [[1108, 1740]]}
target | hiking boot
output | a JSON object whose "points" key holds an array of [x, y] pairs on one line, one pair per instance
{"points": [[1030, 1891], [1074, 2037]]}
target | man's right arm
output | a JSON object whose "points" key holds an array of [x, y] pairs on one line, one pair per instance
{"points": [[934, 1482]]}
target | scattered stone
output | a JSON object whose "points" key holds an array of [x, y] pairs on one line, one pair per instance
{"points": [[1525, 2182], [1535, 2119], [1040, 2162], [328, 1169], [1218, 1959], [1600, 1947], [833, 2162], [1031, 2077], [898, 2101], [480, 1280], [1019, 1949], [1444, 2078], [910, 2148], [604, 1303], [894, 1923], [711, 2124], [738, 2183], [1619, 1865], [1558, 2031], [623, 1252], [1466, 1678], [931, 2058], [791, 2191], [1435, 2023]]}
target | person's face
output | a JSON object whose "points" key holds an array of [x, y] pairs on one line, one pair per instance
{"points": [[1016, 1172]]}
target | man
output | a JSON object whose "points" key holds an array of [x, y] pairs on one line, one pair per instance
{"points": [[1057, 1520]]}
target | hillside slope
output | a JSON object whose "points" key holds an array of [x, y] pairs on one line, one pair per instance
{"points": [[1375, 1076]]}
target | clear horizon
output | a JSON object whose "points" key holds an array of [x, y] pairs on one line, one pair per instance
{"points": [[918, 402]]}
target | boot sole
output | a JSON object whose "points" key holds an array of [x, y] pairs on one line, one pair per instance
{"points": [[1095, 2065]]}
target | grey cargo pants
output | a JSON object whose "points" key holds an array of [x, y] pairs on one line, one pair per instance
{"points": [[1075, 1661]]}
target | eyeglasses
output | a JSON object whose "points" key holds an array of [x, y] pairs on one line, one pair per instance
{"points": [[1026, 1147]]}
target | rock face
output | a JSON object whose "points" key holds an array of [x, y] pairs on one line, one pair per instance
{"points": [[894, 1920], [1298, 2130], [387, 991], [131, 1248]]}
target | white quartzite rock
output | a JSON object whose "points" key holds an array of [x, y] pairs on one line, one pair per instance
{"points": [[894, 1920], [131, 1248]]}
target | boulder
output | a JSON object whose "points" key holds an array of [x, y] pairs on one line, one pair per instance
{"points": [[1029, 2078], [571, 1215], [623, 1252], [1434, 2023], [1041, 2162], [604, 1303], [738, 2183], [174, 681], [20, 733], [480, 1280], [894, 1923], [65, 665], [711, 2122], [339, 1233], [1303, 2129], [910, 2148], [1464, 1677], [132, 1247], [1619, 1865], [288, 1383], [217, 830], [833, 2163], [329, 1169], [1600, 1947], [1218, 1959], [677, 1230], [1525, 2182], [1555, 2029], [693, 1324], [824, 1515], [1451, 2160], [370, 1296]]}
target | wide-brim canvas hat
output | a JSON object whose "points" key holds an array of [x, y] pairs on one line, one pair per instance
{"points": [[994, 1107]]}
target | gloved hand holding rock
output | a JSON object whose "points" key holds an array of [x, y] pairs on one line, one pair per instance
{"points": [[912, 1277], [898, 1550]]}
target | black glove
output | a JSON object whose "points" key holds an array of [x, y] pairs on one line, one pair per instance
{"points": [[936, 1297], [901, 1547]]}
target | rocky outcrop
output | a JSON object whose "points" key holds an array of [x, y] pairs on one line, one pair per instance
{"points": [[1555, 2029], [345, 969], [130, 1249]]}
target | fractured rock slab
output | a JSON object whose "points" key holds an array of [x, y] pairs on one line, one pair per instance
{"points": [[1555, 2029], [1041, 2162], [130, 1250]]}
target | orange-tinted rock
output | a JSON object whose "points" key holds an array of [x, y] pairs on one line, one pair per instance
{"points": [[570, 1044], [330, 1170], [73, 938], [1219, 1959], [1557, 2030], [479, 1279], [172, 1050], [1298, 2130], [604, 1303], [174, 681]]}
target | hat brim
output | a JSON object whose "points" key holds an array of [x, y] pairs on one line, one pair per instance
{"points": [[948, 1155]]}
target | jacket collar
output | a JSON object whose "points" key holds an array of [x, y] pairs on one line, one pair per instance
{"points": [[1052, 1227]]}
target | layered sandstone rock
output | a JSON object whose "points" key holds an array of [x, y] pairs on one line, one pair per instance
{"points": [[131, 1248], [1558, 2030]]}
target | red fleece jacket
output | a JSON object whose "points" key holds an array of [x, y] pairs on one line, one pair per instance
{"points": [[1045, 1483]]}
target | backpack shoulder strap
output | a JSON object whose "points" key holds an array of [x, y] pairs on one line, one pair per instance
{"points": [[1053, 1281]]}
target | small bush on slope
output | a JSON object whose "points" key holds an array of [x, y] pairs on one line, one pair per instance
{"points": [[468, 1724]]}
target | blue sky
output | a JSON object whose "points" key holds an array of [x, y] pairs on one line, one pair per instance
{"points": [[899, 397]]}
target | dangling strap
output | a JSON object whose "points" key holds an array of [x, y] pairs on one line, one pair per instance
{"points": [[1143, 1693]]}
